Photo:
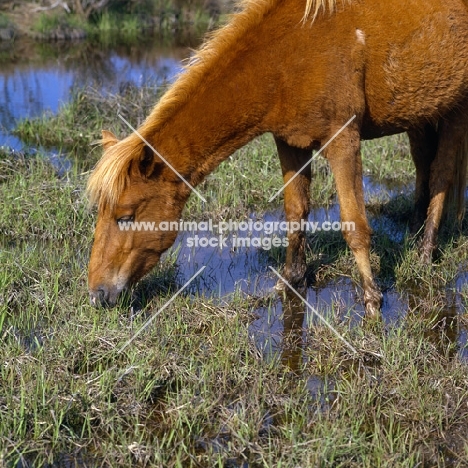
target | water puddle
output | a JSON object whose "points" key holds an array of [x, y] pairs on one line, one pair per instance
{"points": [[43, 83], [383, 191], [245, 270]]}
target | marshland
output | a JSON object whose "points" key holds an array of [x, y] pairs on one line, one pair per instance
{"points": [[232, 373]]}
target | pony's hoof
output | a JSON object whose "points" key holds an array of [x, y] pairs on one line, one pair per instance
{"points": [[373, 303], [373, 312], [280, 285], [427, 250], [426, 257]]}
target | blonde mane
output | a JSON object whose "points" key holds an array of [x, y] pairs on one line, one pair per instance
{"points": [[313, 7], [111, 175]]}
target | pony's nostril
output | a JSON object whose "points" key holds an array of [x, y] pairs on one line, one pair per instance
{"points": [[102, 294], [99, 296]]}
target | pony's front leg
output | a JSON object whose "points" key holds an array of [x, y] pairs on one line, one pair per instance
{"points": [[296, 206], [344, 156]]}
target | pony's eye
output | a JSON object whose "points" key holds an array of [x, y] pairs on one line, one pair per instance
{"points": [[126, 219]]}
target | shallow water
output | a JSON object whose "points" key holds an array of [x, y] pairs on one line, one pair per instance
{"points": [[246, 271], [42, 82]]}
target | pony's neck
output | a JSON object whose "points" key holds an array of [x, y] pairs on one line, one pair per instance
{"points": [[225, 112], [216, 120], [222, 101]]}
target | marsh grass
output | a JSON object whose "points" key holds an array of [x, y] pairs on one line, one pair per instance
{"points": [[112, 28], [194, 389], [51, 26], [388, 159], [120, 22], [5, 22], [79, 122]]}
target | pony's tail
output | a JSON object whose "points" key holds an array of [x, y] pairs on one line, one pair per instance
{"points": [[455, 206]]}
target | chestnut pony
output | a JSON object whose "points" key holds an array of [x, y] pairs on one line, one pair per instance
{"points": [[299, 71]]}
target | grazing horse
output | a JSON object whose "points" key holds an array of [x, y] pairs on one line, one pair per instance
{"points": [[299, 71]]}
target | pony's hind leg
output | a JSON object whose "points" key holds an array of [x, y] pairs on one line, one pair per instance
{"points": [[423, 142], [296, 206], [447, 177], [345, 161]]}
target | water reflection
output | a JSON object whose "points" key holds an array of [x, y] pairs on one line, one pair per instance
{"points": [[439, 313], [32, 83], [293, 329]]}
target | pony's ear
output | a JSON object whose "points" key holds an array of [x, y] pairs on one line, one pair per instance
{"points": [[147, 162], [108, 139]]}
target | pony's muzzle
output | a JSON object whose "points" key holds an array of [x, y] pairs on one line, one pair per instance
{"points": [[102, 297]]}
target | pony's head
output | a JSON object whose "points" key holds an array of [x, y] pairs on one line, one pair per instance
{"points": [[134, 192]]}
